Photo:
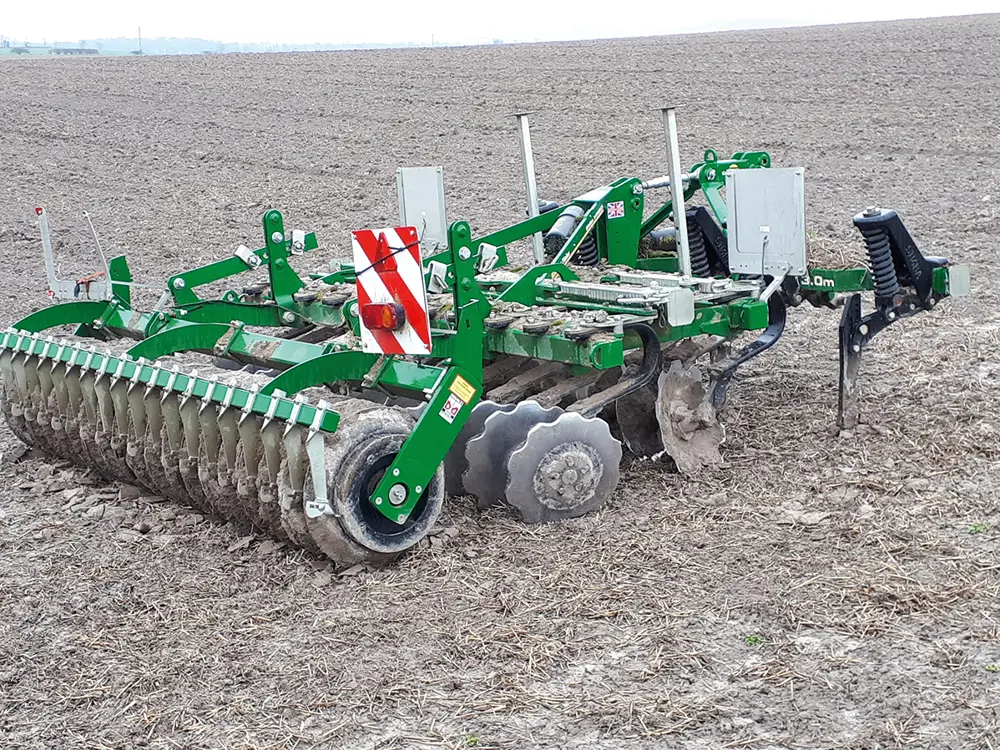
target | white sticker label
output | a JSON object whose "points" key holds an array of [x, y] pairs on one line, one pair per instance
{"points": [[451, 408], [616, 209]]}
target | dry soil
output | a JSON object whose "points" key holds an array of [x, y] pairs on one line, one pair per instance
{"points": [[819, 591]]}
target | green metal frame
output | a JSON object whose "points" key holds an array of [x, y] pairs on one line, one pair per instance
{"points": [[460, 346]]}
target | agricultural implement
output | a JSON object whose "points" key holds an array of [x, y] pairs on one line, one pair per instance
{"points": [[335, 410]]}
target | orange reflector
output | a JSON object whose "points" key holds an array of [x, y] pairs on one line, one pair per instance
{"points": [[383, 316]]}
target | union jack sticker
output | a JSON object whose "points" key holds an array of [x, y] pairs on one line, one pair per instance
{"points": [[616, 209]]}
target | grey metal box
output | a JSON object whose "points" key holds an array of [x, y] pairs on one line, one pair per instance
{"points": [[421, 204], [767, 221]]}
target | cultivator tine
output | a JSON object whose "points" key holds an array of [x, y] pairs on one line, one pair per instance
{"points": [[850, 337]]}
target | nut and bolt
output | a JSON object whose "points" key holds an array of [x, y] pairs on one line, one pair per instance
{"points": [[637, 189], [419, 489], [890, 315], [873, 211], [395, 472], [288, 317], [856, 348], [464, 253], [378, 501], [397, 494], [179, 284], [277, 237], [863, 329]]}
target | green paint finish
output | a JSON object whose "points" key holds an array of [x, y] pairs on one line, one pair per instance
{"points": [[622, 222], [524, 291], [837, 280], [284, 281], [662, 263], [66, 313], [600, 351], [182, 285], [424, 450], [201, 337], [143, 374], [748, 314], [356, 366], [119, 274]]}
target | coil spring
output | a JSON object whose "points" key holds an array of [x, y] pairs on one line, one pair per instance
{"points": [[586, 253], [700, 267], [880, 258]]}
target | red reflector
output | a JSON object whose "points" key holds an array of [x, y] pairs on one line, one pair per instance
{"points": [[383, 316], [38, 212]]}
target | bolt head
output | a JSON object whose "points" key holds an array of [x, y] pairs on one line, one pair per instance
{"points": [[179, 283], [288, 317], [890, 315], [395, 472], [419, 489], [277, 237], [397, 494], [378, 501], [401, 518], [354, 310], [863, 330], [856, 348], [873, 211], [464, 253], [637, 189]]}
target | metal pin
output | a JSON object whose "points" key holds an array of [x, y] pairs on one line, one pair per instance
{"points": [[530, 186], [134, 380], [153, 377], [59, 355], [118, 371], [91, 353], [276, 397], [227, 399], [103, 369], [248, 406], [44, 353], [293, 418], [206, 400], [171, 380], [189, 391], [317, 422], [677, 189]]}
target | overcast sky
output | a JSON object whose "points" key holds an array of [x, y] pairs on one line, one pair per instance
{"points": [[457, 21]]}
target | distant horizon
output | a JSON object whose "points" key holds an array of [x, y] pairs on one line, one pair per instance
{"points": [[22, 27]]}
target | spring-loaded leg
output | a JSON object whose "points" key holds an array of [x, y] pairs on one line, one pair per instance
{"points": [[850, 363]]}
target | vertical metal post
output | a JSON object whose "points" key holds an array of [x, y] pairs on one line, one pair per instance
{"points": [[677, 189], [538, 250]]}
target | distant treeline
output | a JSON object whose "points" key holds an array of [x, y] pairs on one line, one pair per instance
{"points": [[193, 46]]}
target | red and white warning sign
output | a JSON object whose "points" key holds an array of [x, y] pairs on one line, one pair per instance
{"points": [[392, 301]]}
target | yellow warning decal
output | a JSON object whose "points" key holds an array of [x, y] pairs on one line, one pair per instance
{"points": [[462, 388]]}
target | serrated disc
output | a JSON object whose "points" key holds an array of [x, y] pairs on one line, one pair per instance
{"points": [[563, 469], [455, 462], [487, 453]]}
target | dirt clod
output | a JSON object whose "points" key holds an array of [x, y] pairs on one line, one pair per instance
{"points": [[686, 614]]}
